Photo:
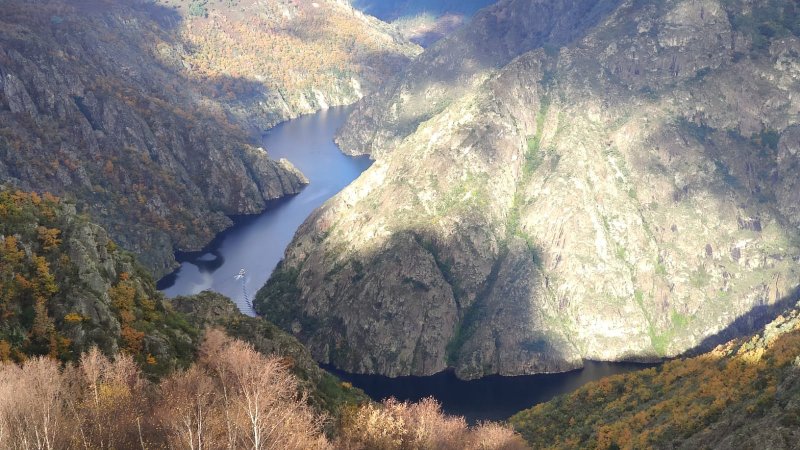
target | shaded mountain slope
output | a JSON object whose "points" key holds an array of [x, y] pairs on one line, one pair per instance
{"points": [[624, 196], [88, 111], [456, 66]]}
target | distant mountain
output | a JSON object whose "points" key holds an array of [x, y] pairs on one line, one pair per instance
{"points": [[268, 61], [609, 180], [423, 21], [394, 9], [142, 114]]}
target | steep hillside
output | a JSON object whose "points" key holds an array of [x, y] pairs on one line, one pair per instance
{"points": [[744, 394], [268, 61], [88, 111], [66, 287], [457, 66], [627, 191], [211, 310], [135, 110]]}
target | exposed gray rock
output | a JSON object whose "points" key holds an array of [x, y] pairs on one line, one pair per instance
{"points": [[89, 112], [644, 162]]}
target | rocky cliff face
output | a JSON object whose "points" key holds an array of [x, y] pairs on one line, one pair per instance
{"points": [[87, 111], [620, 189], [125, 108], [460, 64]]}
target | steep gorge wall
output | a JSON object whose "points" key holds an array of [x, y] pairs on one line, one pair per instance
{"points": [[115, 106], [626, 195]]}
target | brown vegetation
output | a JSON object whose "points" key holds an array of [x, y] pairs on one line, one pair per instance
{"points": [[674, 405], [289, 46], [238, 399], [394, 425], [54, 303], [232, 397]]}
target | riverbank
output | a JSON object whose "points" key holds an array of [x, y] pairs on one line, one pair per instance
{"points": [[257, 243]]}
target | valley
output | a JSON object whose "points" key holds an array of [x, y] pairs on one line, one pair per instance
{"points": [[570, 188], [383, 224], [257, 244]]}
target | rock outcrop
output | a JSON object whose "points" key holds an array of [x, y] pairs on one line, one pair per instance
{"points": [[65, 286], [562, 180]]}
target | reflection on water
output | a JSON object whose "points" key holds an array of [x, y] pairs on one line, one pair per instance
{"points": [[257, 243], [489, 398]]}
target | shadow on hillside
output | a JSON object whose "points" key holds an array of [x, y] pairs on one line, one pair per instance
{"points": [[167, 18], [748, 324]]}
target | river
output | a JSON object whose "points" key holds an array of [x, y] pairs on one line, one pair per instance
{"points": [[257, 244], [490, 398]]}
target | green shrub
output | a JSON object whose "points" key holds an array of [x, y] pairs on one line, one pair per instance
{"points": [[198, 8]]}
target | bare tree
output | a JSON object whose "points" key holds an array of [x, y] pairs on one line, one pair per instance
{"points": [[393, 425], [32, 406], [214, 344], [187, 409], [268, 412], [112, 399]]}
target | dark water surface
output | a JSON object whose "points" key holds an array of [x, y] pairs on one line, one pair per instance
{"points": [[257, 243], [490, 398]]}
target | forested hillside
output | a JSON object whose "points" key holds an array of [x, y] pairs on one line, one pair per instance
{"points": [[135, 110], [744, 394], [65, 287], [268, 61]]}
